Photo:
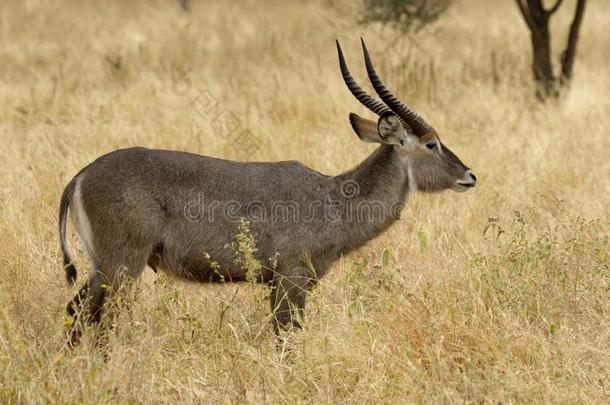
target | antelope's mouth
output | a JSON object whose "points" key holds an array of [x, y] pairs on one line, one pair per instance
{"points": [[461, 186]]}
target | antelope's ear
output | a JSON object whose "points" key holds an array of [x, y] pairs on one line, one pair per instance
{"points": [[365, 129], [388, 129], [391, 130]]}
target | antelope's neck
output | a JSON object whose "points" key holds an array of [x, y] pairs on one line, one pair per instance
{"points": [[372, 195]]}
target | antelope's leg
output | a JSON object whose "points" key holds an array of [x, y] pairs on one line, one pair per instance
{"points": [[92, 305], [75, 309], [107, 295], [288, 299]]}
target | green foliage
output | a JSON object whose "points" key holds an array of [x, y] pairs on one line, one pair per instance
{"points": [[404, 15], [422, 240], [311, 270], [247, 249], [540, 275], [367, 285], [386, 256], [358, 283], [246, 245]]}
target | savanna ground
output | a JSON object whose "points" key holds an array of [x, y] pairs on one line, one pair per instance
{"points": [[500, 294]]}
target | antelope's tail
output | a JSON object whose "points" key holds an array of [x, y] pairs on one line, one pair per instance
{"points": [[65, 248]]}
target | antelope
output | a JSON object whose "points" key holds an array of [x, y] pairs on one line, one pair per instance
{"points": [[179, 212]]}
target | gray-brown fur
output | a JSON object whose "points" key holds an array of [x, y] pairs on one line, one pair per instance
{"points": [[138, 206]]}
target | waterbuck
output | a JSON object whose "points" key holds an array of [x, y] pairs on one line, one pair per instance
{"points": [[180, 212]]}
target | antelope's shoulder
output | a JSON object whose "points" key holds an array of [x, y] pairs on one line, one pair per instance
{"points": [[295, 166]]}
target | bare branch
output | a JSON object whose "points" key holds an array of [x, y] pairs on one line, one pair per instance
{"points": [[526, 16], [567, 57], [554, 8]]}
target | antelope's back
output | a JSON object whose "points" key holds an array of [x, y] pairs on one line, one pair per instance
{"points": [[193, 204]]}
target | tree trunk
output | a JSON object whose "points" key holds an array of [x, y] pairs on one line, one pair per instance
{"points": [[537, 19], [542, 66]]}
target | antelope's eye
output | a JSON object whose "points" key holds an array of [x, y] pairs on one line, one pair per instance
{"points": [[431, 145]]}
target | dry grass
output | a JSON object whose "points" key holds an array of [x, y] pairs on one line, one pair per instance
{"points": [[519, 313]]}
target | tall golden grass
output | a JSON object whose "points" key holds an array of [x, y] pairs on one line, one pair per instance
{"points": [[501, 294]]}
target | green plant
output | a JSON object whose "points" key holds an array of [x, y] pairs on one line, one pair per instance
{"points": [[404, 15]]}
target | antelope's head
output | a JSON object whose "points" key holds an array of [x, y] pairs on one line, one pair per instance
{"points": [[432, 166]]}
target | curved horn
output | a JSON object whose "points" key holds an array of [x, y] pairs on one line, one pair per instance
{"points": [[415, 121], [369, 102]]}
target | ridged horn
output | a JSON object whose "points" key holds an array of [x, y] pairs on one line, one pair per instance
{"points": [[415, 121], [369, 102]]}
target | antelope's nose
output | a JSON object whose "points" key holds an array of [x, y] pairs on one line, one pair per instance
{"points": [[469, 179]]}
